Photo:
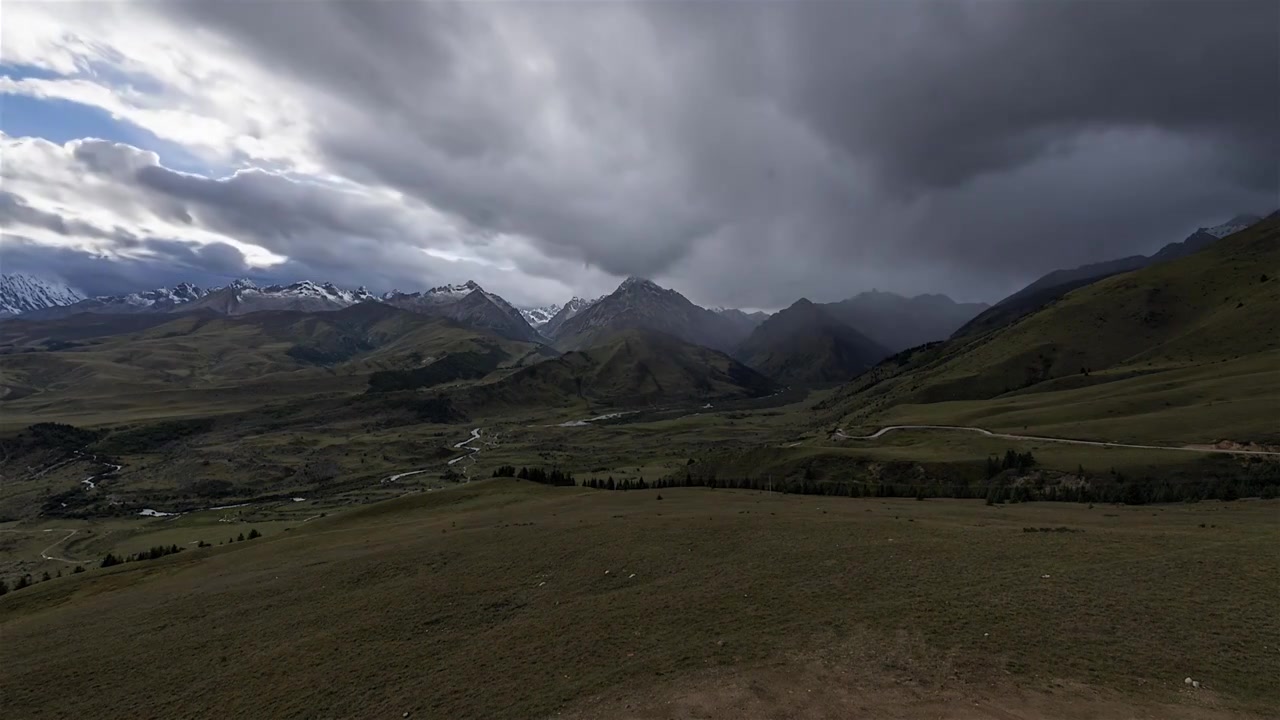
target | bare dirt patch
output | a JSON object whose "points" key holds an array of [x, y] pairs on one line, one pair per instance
{"points": [[901, 680]]}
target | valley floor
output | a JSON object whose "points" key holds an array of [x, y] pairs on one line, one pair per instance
{"points": [[506, 599]]}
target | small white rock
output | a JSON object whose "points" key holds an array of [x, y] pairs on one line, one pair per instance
{"points": [[1187, 681], [1044, 577], [632, 575], [606, 572], [1195, 684]]}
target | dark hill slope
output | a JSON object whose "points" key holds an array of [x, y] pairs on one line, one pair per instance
{"points": [[805, 345], [634, 367], [1219, 304]]}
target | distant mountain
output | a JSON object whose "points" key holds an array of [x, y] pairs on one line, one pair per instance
{"points": [[160, 300], [22, 293], [897, 323], [641, 304], [467, 304], [244, 296], [570, 309], [539, 316], [1058, 283], [744, 321], [470, 305], [806, 344], [632, 367]]}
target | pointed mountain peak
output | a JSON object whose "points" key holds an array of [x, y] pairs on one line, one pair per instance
{"points": [[243, 283], [636, 282]]}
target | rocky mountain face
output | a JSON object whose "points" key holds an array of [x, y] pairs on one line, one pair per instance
{"points": [[469, 305], [244, 296], [897, 323], [539, 316], [568, 310], [640, 304], [1058, 283], [160, 300], [22, 293], [806, 344]]}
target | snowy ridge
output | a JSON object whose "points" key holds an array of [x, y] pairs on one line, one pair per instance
{"points": [[20, 293], [539, 316], [1234, 225], [177, 295]]}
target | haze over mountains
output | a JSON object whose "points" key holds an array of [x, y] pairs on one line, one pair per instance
{"points": [[804, 344]]}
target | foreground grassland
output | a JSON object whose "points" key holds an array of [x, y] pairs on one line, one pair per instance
{"points": [[504, 599]]}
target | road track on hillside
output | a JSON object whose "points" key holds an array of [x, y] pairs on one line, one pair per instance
{"points": [[1042, 438]]}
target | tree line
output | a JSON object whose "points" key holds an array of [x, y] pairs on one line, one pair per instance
{"points": [[111, 560]]}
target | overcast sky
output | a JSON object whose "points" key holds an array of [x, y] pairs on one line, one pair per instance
{"points": [[744, 153]]}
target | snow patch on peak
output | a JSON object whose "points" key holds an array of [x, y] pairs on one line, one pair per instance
{"points": [[458, 290], [539, 316], [1234, 225], [20, 292]]}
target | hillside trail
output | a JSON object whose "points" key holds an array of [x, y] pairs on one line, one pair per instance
{"points": [[840, 434], [44, 554]]}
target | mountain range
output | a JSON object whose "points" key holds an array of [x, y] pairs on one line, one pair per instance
{"points": [[806, 343]]}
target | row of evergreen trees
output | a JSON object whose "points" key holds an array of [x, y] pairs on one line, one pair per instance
{"points": [[154, 553], [554, 476], [111, 559], [1110, 488], [1012, 461], [26, 581]]}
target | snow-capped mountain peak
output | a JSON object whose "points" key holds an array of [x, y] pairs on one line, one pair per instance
{"points": [[1234, 225], [539, 316], [20, 292]]}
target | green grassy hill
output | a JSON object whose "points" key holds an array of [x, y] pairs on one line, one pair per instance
{"points": [[505, 599], [1221, 305], [633, 367], [211, 363]]}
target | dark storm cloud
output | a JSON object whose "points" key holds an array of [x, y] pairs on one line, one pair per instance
{"points": [[973, 88], [750, 153], [759, 151]]}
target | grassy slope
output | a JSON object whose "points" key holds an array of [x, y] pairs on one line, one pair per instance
{"points": [[1182, 324], [202, 365], [493, 601], [633, 367]]}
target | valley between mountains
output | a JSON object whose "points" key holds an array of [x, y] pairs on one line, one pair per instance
{"points": [[337, 450]]}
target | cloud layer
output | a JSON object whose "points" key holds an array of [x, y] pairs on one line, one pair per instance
{"points": [[747, 153]]}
